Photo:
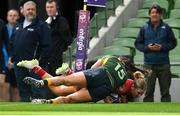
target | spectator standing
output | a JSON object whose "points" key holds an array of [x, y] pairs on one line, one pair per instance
{"points": [[155, 40], [12, 17], [3, 42], [31, 39], [60, 33]]}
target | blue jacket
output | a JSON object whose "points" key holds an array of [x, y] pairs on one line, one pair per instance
{"points": [[33, 41], [163, 35], [3, 43]]}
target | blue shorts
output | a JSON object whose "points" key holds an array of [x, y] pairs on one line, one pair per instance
{"points": [[98, 83]]}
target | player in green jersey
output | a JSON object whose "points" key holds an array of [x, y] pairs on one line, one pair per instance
{"points": [[106, 76]]}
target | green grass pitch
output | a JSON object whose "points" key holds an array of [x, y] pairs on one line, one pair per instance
{"points": [[135, 109]]}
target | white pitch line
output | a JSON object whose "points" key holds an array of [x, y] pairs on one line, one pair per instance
{"points": [[11, 104]]}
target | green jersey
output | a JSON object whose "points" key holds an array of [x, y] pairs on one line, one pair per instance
{"points": [[115, 70]]}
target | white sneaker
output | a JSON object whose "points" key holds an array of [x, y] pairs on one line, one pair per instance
{"points": [[29, 64], [63, 69], [40, 101]]}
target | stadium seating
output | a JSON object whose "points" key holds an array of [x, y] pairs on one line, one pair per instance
{"points": [[101, 16], [175, 71], [128, 32], [171, 4], [93, 27], [139, 58], [175, 14], [111, 7], [116, 50], [177, 4], [174, 23], [176, 33], [97, 22], [125, 42], [174, 55], [136, 22], [142, 13]]}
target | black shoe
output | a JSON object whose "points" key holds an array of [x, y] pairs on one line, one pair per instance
{"points": [[34, 82]]}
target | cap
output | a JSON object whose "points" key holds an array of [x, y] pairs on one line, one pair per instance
{"points": [[22, 2]]}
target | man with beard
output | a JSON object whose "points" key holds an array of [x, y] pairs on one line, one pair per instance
{"points": [[31, 39]]}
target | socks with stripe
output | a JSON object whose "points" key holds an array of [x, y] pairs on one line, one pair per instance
{"points": [[39, 71]]}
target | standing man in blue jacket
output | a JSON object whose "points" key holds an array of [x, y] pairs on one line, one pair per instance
{"points": [[155, 40], [31, 39]]}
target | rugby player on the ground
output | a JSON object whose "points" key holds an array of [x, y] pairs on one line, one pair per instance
{"points": [[107, 75]]}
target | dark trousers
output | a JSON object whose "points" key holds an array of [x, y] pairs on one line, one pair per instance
{"points": [[28, 92], [10, 77], [54, 65], [163, 73]]}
